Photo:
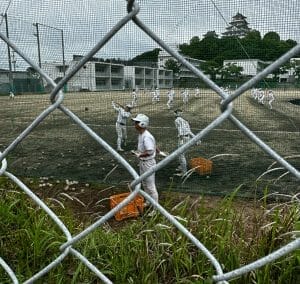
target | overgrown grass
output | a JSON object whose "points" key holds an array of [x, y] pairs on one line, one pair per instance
{"points": [[150, 250]]}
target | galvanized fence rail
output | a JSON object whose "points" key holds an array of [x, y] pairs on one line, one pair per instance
{"points": [[226, 107]]}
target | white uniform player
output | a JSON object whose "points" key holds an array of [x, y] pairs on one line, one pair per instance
{"points": [[270, 98], [185, 96], [155, 96], [184, 135], [134, 98], [261, 96], [123, 115], [254, 93], [171, 95], [197, 92], [146, 152], [11, 95]]}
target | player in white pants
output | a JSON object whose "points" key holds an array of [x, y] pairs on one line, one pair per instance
{"points": [[123, 114], [171, 95], [270, 98], [11, 95], [134, 98], [261, 96], [197, 92], [146, 152], [184, 135], [185, 96]]}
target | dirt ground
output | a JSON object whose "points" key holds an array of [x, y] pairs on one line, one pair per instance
{"points": [[58, 148]]}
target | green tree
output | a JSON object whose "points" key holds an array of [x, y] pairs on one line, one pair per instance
{"points": [[171, 64], [211, 34], [148, 56], [211, 68], [231, 71], [272, 36]]}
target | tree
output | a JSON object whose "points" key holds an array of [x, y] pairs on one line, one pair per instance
{"points": [[211, 68], [151, 56], [211, 34], [280, 71], [231, 71], [195, 40], [271, 36], [171, 64], [253, 36]]}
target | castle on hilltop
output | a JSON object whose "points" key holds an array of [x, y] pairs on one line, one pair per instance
{"points": [[237, 27]]}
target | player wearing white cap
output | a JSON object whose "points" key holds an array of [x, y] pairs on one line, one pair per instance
{"points": [[184, 135], [146, 152], [123, 114], [171, 95]]}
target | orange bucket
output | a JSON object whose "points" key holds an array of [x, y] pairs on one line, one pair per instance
{"points": [[133, 209], [202, 166]]}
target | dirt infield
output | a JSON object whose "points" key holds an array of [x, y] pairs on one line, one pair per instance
{"points": [[60, 149]]}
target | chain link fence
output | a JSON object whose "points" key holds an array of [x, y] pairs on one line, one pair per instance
{"points": [[226, 113]]}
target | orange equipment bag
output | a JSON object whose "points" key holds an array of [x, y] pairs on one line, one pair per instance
{"points": [[202, 166], [133, 209]]}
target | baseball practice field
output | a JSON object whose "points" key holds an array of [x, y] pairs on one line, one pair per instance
{"points": [[60, 149]]}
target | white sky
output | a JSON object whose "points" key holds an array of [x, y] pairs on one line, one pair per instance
{"points": [[175, 21]]}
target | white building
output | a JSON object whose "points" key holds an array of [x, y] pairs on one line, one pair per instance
{"points": [[93, 76], [184, 73], [141, 77], [97, 76], [250, 66]]}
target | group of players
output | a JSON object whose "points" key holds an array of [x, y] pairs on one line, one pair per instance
{"points": [[263, 96], [155, 96], [146, 146]]}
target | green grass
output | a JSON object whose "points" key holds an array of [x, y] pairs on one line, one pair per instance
{"points": [[150, 250]]}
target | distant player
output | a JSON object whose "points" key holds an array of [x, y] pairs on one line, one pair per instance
{"points": [[171, 95], [270, 98], [185, 96], [11, 95], [261, 96], [123, 114], [197, 92], [155, 96], [134, 98], [254, 93], [184, 135]]}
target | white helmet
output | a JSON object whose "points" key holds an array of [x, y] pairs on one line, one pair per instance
{"points": [[142, 119]]}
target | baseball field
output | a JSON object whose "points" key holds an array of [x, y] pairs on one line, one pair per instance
{"points": [[60, 149]]}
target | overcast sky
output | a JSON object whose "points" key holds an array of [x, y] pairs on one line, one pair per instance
{"points": [[175, 21]]}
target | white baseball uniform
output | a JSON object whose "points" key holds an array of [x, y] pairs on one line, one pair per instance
{"points": [[134, 98], [171, 95], [185, 96], [146, 142], [121, 125], [184, 135]]}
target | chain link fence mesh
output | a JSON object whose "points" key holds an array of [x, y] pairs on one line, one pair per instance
{"points": [[63, 117]]}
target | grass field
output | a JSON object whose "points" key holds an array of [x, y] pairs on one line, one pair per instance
{"points": [[60, 149]]}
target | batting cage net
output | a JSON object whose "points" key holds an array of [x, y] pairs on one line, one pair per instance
{"points": [[219, 81]]}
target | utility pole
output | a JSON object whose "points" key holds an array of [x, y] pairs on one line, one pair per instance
{"points": [[63, 51], [11, 84], [38, 43]]}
